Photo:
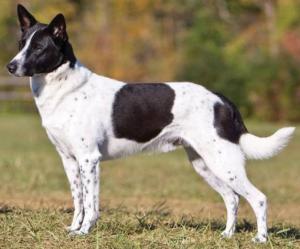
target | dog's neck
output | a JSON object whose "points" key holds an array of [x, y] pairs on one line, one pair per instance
{"points": [[69, 55], [50, 89]]}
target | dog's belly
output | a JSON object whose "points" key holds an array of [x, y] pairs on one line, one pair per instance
{"points": [[117, 148]]}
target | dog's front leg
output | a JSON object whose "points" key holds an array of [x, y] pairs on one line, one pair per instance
{"points": [[72, 171], [89, 172]]}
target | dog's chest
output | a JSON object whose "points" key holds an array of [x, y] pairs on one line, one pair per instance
{"points": [[83, 113], [58, 127]]}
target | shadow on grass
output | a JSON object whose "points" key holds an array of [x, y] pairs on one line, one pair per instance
{"points": [[279, 231], [159, 216], [285, 232], [5, 209]]}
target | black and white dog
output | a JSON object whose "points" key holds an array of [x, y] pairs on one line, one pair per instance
{"points": [[91, 118]]}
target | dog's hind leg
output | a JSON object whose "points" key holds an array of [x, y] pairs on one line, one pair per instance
{"points": [[258, 201], [231, 199], [72, 171], [227, 162]]}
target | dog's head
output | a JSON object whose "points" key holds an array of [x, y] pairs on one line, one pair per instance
{"points": [[42, 47]]}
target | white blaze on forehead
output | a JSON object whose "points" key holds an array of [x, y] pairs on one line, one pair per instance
{"points": [[20, 57]]}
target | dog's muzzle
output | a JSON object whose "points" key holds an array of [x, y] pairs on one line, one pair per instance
{"points": [[12, 67]]}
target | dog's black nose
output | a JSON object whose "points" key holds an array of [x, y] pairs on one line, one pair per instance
{"points": [[12, 67]]}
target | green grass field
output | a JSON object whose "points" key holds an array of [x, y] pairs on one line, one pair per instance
{"points": [[155, 201]]}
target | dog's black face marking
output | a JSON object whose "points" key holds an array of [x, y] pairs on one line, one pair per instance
{"points": [[42, 54], [228, 120], [141, 111], [28, 32], [47, 47]]}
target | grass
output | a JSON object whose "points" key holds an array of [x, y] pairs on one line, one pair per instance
{"points": [[146, 202]]}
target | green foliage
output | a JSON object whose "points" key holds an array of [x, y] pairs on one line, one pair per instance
{"points": [[206, 61], [248, 50]]}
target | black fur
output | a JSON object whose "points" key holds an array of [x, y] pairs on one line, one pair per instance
{"points": [[228, 120], [49, 47], [44, 55], [26, 20], [141, 111]]}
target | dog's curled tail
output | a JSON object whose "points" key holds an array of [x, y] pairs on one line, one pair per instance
{"points": [[265, 147]]}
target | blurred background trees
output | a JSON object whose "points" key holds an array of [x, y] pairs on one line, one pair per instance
{"points": [[247, 49]]}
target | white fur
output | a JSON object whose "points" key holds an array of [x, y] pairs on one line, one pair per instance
{"points": [[76, 106], [265, 147], [20, 57]]}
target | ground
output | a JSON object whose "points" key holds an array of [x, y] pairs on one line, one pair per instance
{"points": [[154, 201]]}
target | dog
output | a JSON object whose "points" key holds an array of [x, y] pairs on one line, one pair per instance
{"points": [[90, 118]]}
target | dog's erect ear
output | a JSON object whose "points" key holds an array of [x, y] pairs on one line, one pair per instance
{"points": [[57, 27], [25, 18]]}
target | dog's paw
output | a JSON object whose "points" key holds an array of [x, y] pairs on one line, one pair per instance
{"points": [[77, 233], [226, 235], [72, 228], [260, 238]]}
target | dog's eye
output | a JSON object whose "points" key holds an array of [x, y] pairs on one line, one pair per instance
{"points": [[38, 47]]}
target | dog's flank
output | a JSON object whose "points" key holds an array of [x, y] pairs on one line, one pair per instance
{"points": [[146, 106], [228, 120], [91, 118]]}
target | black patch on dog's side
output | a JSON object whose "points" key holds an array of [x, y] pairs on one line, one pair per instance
{"points": [[141, 111], [228, 120]]}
